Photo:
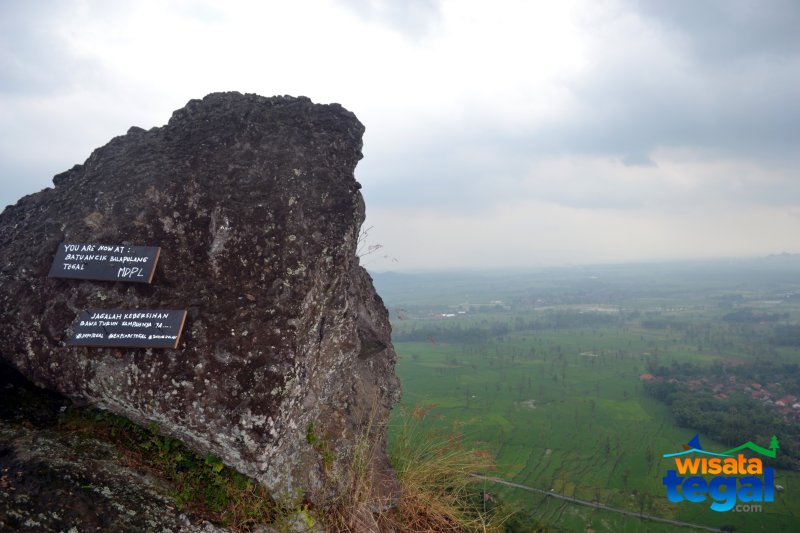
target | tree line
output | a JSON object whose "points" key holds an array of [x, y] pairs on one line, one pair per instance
{"points": [[449, 331]]}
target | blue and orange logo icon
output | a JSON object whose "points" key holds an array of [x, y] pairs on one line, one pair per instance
{"points": [[736, 477]]}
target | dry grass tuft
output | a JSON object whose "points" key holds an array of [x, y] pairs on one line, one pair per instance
{"points": [[438, 492]]}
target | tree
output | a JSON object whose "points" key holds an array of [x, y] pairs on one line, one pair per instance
{"points": [[773, 444]]}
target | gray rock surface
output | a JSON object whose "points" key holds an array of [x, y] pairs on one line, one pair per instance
{"points": [[286, 353], [46, 486], [56, 480]]}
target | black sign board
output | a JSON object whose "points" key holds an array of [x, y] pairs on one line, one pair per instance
{"points": [[105, 262], [129, 328]]}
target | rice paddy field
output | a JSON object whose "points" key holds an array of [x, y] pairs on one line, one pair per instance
{"points": [[553, 387]]}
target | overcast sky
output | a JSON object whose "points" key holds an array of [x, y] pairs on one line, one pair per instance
{"points": [[499, 134]]}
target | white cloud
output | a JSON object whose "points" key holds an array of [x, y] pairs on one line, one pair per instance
{"points": [[578, 127]]}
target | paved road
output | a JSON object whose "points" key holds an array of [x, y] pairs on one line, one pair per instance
{"points": [[596, 505]]}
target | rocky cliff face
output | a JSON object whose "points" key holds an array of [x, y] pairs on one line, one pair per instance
{"points": [[286, 359]]}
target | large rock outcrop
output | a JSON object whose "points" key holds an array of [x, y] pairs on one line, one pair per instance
{"points": [[285, 360]]}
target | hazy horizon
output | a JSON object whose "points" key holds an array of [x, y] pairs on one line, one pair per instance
{"points": [[502, 135], [528, 269]]}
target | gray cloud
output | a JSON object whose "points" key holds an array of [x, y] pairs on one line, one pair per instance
{"points": [[413, 18], [724, 77], [668, 106], [31, 59], [630, 106], [625, 114], [727, 31], [35, 61]]}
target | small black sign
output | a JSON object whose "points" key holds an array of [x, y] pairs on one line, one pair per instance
{"points": [[105, 262], [129, 328]]}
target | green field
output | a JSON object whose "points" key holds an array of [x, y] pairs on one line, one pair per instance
{"points": [[563, 407]]}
